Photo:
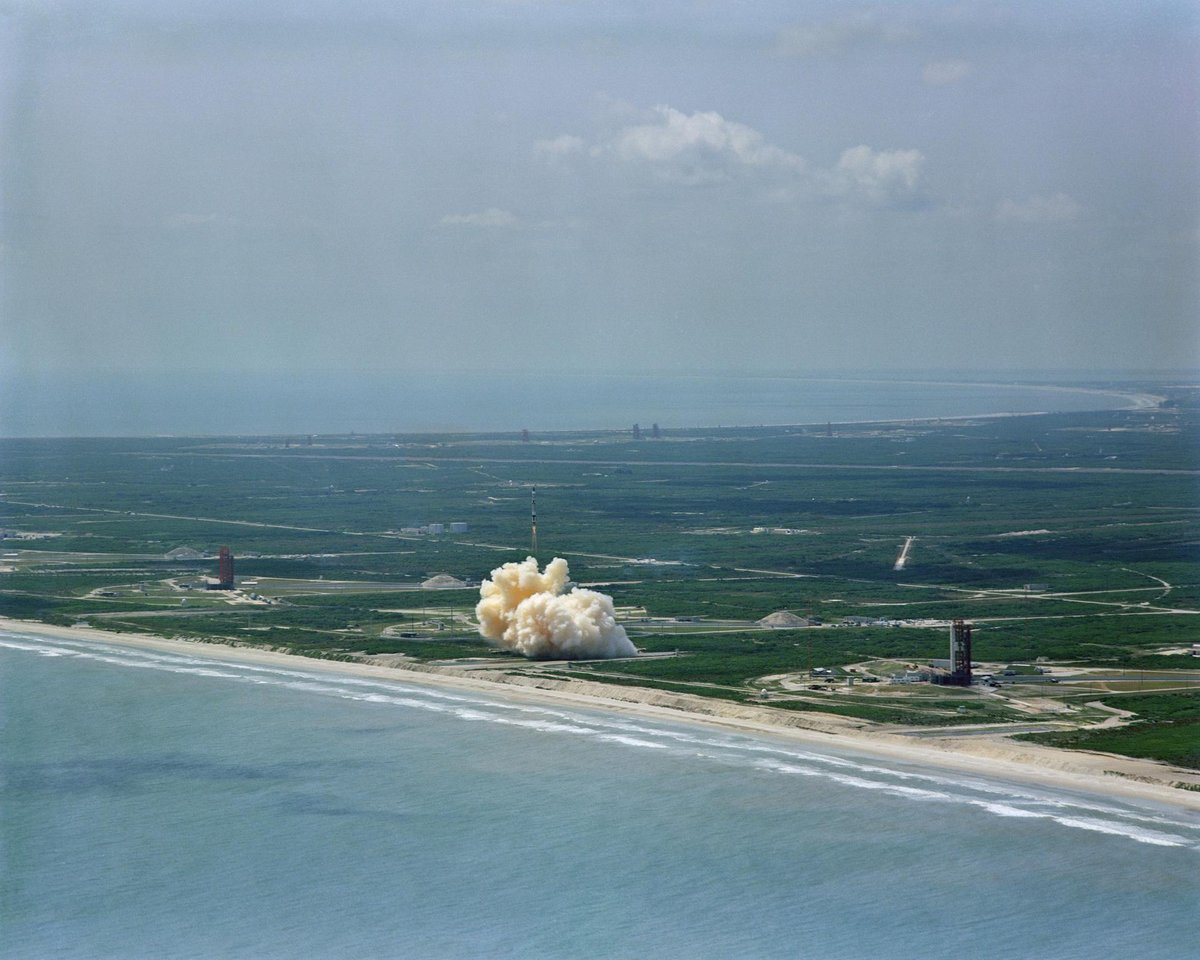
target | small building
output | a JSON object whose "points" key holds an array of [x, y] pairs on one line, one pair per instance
{"points": [[458, 527]]}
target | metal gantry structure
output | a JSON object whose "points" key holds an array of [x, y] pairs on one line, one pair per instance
{"points": [[225, 569], [960, 653]]}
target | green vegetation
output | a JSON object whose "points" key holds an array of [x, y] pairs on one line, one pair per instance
{"points": [[1066, 539], [1167, 728]]}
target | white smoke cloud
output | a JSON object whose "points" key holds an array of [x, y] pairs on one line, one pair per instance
{"points": [[524, 610]]}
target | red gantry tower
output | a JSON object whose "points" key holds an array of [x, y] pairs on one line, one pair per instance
{"points": [[225, 569]]}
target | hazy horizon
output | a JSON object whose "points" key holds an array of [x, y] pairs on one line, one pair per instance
{"points": [[306, 188], [441, 402]]}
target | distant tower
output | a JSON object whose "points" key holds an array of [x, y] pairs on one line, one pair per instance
{"points": [[225, 569], [524, 436], [960, 653], [533, 519], [637, 432], [654, 431], [829, 429]]}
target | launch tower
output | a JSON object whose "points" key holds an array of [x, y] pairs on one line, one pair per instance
{"points": [[960, 654], [224, 569]]}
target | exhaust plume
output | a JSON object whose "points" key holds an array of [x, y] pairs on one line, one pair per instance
{"points": [[524, 610]]}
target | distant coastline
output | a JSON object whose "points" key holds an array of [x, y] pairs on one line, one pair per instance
{"points": [[433, 402], [1094, 773], [1136, 400]]}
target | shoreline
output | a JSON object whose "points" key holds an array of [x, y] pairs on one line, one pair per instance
{"points": [[1134, 400], [1085, 772]]}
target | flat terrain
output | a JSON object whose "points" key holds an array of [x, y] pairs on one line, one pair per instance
{"points": [[1069, 541]]}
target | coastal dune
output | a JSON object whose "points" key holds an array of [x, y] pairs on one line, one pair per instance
{"points": [[993, 757]]}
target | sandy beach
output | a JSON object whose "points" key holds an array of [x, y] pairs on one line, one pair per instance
{"points": [[992, 757]]}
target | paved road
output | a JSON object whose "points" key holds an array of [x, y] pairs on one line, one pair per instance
{"points": [[171, 516], [1005, 730], [1131, 677]]}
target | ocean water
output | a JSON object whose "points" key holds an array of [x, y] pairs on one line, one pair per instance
{"points": [[161, 805], [423, 401]]}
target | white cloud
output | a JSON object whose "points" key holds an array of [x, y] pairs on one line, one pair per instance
{"points": [[1057, 208], [491, 217], [699, 145], [706, 148], [563, 146], [834, 36], [878, 175], [940, 73], [696, 148]]}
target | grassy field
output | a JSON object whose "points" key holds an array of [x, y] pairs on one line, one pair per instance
{"points": [[1167, 728], [1068, 540]]}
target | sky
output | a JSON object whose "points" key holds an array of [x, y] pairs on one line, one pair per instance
{"points": [[594, 187]]}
